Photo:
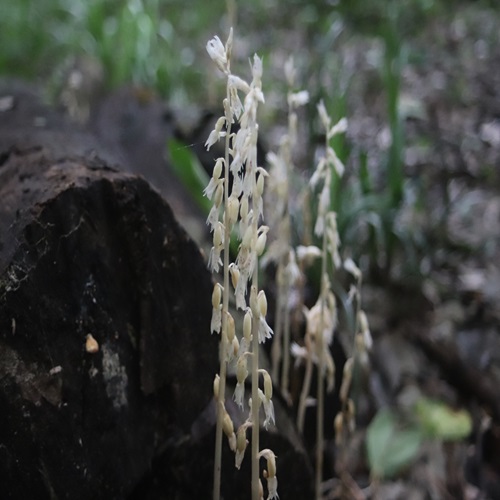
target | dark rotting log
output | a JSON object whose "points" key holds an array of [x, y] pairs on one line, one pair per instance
{"points": [[88, 253]]}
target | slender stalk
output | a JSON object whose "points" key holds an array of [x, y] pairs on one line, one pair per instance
{"points": [[255, 395], [220, 413], [276, 348], [321, 377], [304, 393], [285, 368], [225, 309]]}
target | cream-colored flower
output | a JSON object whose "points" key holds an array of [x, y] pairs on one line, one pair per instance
{"points": [[215, 324], [351, 267], [227, 427], [241, 444], [270, 473], [214, 259], [241, 375], [339, 128], [268, 409], [325, 119], [307, 254], [314, 322], [216, 386], [216, 133], [334, 160], [217, 52], [298, 99]]}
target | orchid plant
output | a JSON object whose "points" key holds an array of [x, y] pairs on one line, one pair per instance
{"points": [[240, 209]]}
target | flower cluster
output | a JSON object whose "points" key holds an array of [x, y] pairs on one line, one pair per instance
{"points": [[321, 319], [239, 207], [324, 168], [344, 422], [280, 250]]}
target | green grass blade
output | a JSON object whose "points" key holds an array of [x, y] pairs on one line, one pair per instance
{"points": [[189, 170]]}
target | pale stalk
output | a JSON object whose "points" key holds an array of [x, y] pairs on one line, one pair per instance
{"points": [[276, 348], [285, 369], [306, 386], [321, 377], [282, 311], [225, 310], [255, 392]]}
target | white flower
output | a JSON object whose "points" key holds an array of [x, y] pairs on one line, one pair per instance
{"points": [[332, 238], [216, 133], [216, 386], [213, 217], [216, 322], [212, 187], [266, 398], [214, 259], [315, 323], [319, 173], [306, 254], [241, 375], [325, 119], [268, 409], [298, 352], [319, 226], [227, 427], [256, 70], [324, 198], [217, 52], [245, 261], [272, 487], [351, 267], [239, 395], [298, 99], [239, 456], [270, 473], [265, 331], [241, 444], [339, 128], [234, 101], [239, 84], [293, 273], [334, 160]]}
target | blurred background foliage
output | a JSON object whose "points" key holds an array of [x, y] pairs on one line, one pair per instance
{"points": [[160, 44]]}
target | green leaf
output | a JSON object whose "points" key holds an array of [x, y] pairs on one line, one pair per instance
{"points": [[438, 420], [189, 170], [390, 446]]}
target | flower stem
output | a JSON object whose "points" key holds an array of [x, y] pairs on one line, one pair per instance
{"points": [[321, 376], [255, 391], [225, 309]]}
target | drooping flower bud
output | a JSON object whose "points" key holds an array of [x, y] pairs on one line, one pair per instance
{"points": [[262, 300], [216, 386]]}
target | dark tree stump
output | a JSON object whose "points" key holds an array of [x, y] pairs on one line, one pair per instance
{"points": [[88, 250]]}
